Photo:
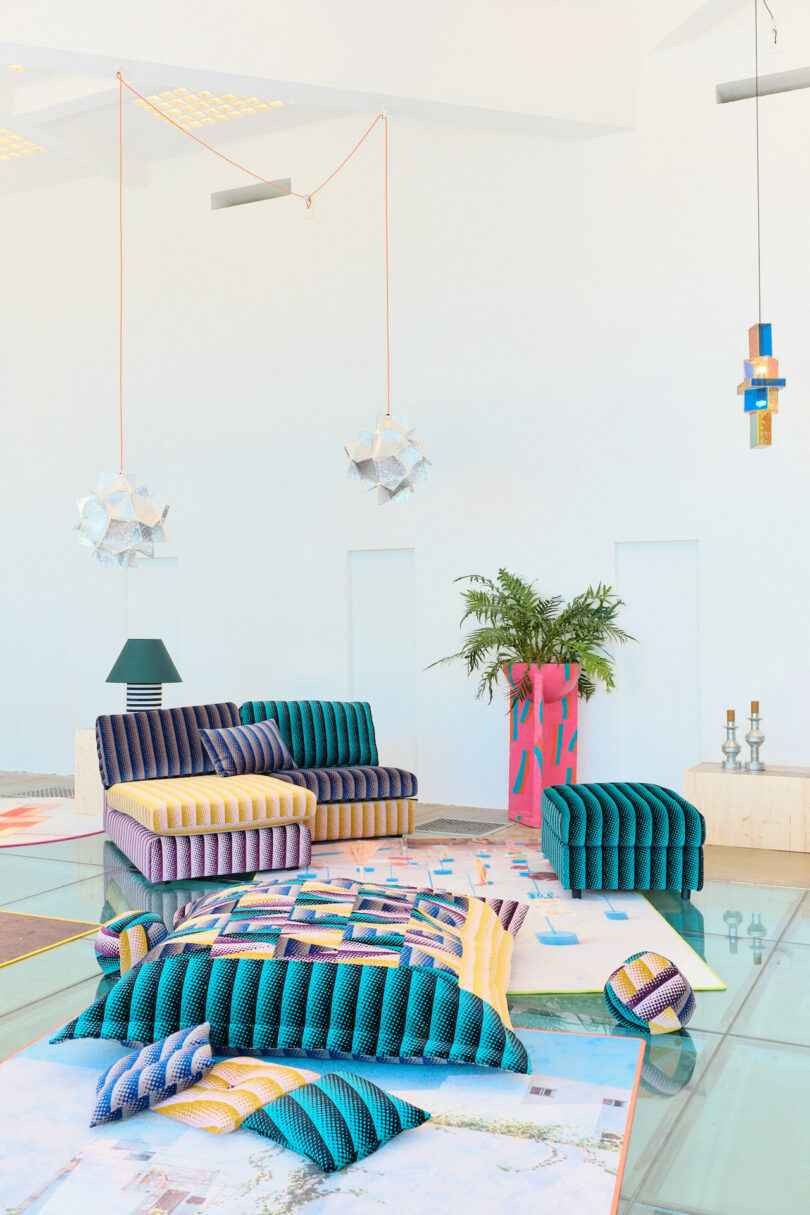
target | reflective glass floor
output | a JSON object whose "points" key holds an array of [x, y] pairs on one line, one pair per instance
{"points": [[721, 1121]]}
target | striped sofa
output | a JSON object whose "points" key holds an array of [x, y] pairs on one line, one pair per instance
{"points": [[335, 747], [173, 818]]}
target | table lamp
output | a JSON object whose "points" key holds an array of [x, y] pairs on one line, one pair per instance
{"points": [[144, 666]]}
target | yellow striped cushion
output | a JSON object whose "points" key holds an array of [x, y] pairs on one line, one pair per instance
{"points": [[234, 1088], [363, 820], [190, 805]]}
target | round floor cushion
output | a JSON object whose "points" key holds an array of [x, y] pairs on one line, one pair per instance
{"points": [[124, 941], [649, 992]]}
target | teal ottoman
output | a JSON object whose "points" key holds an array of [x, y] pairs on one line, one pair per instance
{"points": [[622, 837]]}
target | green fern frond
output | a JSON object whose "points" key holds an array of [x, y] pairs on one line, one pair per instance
{"points": [[515, 623]]}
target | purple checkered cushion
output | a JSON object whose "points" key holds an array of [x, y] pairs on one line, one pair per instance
{"points": [[242, 750]]}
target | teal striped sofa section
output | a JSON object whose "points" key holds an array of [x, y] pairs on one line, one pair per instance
{"points": [[320, 733], [622, 836]]}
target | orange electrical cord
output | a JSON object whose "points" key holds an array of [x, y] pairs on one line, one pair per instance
{"points": [[306, 198], [387, 292], [121, 270]]}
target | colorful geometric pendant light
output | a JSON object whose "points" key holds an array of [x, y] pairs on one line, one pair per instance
{"points": [[761, 384], [120, 520], [390, 458]]}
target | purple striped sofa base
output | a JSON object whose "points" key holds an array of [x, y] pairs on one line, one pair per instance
{"points": [[165, 858]]}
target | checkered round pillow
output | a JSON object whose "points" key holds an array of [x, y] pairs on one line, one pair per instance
{"points": [[649, 992]]}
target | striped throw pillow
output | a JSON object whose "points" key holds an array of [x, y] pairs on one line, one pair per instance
{"points": [[336, 1120], [247, 749], [146, 1076]]}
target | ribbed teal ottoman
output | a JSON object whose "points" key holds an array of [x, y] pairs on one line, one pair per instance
{"points": [[622, 837]]}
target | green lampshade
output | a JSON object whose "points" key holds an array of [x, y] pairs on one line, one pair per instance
{"points": [[144, 660]]}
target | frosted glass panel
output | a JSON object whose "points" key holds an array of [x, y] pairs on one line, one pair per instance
{"points": [[382, 655], [658, 679]]}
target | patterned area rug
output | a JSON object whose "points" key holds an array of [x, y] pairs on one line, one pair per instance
{"points": [[565, 945], [551, 1141], [22, 935], [32, 820]]}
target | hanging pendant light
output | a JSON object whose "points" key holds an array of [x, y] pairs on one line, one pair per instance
{"points": [[390, 458], [120, 520], [761, 384]]}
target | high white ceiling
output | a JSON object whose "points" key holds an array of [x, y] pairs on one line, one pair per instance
{"points": [[560, 68]]}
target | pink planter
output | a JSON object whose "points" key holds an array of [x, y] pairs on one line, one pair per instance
{"points": [[542, 736]]}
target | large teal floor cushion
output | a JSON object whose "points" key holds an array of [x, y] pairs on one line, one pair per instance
{"points": [[622, 836], [336, 1120], [353, 784], [319, 733], [303, 965]]}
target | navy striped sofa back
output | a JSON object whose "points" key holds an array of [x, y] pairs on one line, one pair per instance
{"points": [[320, 733], [158, 742]]}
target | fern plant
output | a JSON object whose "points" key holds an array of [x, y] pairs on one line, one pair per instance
{"points": [[515, 623]]}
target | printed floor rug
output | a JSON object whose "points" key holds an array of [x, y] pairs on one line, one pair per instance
{"points": [[551, 1141], [22, 935], [565, 945], [32, 820]]}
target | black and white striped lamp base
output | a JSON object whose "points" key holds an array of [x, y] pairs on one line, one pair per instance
{"points": [[142, 696]]}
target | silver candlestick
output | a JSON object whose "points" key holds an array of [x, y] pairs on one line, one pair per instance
{"points": [[755, 738], [731, 748]]}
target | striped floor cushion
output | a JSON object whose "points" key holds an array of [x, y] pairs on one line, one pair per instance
{"points": [[352, 784], [165, 858], [362, 820], [188, 805]]}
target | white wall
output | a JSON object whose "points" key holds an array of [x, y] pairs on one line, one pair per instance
{"points": [[568, 329]]}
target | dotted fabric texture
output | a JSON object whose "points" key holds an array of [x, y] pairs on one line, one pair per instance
{"points": [[353, 784], [622, 837], [158, 743], [320, 733], [336, 1120], [233, 1088], [430, 987], [649, 992], [240, 750], [142, 1078], [126, 940], [165, 858]]}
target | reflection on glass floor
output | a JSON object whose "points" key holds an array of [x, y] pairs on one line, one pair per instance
{"points": [[717, 1129]]}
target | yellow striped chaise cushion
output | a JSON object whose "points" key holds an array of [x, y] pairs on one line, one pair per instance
{"points": [[192, 805], [362, 820]]}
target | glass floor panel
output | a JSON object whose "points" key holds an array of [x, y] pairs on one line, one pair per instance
{"points": [[714, 1131]]}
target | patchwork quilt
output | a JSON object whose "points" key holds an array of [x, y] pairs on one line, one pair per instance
{"points": [[307, 966]]}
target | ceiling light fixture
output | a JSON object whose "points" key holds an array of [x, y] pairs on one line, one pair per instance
{"points": [[12, 146], [120, 520], [189, 109], [390, 458], [762, 384]]}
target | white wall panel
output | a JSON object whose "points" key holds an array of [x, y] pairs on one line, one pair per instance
{"points": [[382, 648]]}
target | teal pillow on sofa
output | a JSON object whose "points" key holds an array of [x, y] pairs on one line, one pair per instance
{"points": [[335, 1120]]}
